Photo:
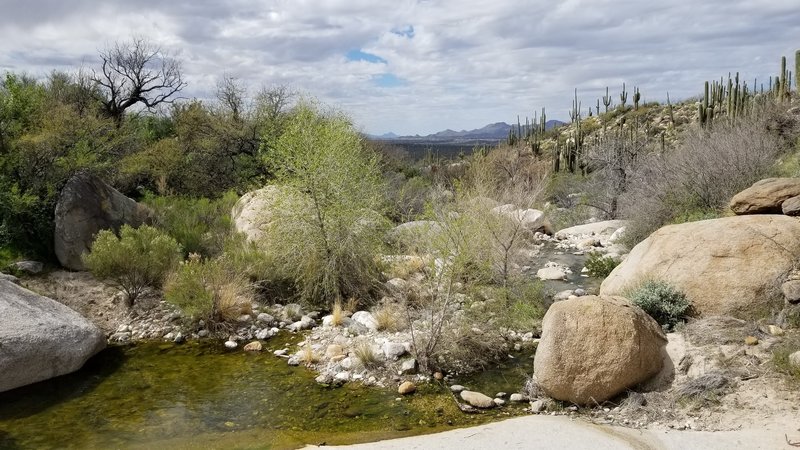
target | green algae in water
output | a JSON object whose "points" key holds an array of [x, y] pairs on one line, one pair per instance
{"points": [[198, 395]]}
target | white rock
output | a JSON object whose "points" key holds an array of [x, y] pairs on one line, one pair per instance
{"points": [[517, 398], [393, 350], [551, 273], [366, 319], [230, 344], [457, 388]]}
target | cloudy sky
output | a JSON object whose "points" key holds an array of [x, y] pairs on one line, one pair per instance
{"points": [[420, 66]]}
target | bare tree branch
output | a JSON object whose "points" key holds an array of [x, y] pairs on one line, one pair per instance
{"points": [[136, 72]]}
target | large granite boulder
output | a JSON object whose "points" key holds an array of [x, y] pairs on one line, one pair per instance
{"points": [[593, 348], [765, 196], [87, 205], [731, 266], [252, 213], [41, 338]]}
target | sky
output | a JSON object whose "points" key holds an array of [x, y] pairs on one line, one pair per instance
{"points": [[421, 66]]}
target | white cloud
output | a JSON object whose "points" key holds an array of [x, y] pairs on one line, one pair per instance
{"points": [[468, 63]]}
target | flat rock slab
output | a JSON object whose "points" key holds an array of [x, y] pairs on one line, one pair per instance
{"points": [[41, 338], [765, 196]]}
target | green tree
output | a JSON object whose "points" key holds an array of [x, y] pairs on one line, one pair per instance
{"points": [[327, 235]]}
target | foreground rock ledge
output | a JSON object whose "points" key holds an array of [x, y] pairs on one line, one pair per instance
{"points": [[593, 348], [41, 338]]}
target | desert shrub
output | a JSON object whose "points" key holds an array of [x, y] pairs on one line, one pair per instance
{"points": [[325, 237], [206, 290], [699, 176], [705, 388], [600, 266], [407, 196], [200, 225], [337, 314], [663, 302], [137, 259]]}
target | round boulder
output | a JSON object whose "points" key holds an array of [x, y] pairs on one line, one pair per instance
{"points": [[593, 348], [732, 266], [41, 338]]}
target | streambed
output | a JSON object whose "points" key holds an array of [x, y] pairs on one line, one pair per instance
{"points": [[198, 395]]}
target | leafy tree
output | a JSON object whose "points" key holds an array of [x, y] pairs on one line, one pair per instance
{"points": [[326, 236]]}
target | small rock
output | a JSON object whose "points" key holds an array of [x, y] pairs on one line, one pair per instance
{"points": [[477, 399], [563, 295], [408, 366], [202, 333], [517, 398], [169, 336], [499, 402], [501, 395], [751, 340], [794, 360], [324, 378], [342, 377], [580, 292], [366, 319], [244, 318], [280, 352], [293, 361], [254, 346], [393, 350], [230, 344], [457, 388], [538, 406], [29, 267], [406, 388], [791, 291], [438, 376], [551, 273], [265, 318], [264, 334], [179, 338], [775, 330], [334, 350]]}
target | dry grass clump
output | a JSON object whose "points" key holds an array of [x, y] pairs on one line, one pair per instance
{"points": [[366, 355], [404, 266], [650, 407], [390, 316], [337, 315], [307, 355], [719, 330], [705, 388]]}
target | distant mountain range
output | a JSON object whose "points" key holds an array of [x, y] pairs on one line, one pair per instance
{"points": [[492, 132]]}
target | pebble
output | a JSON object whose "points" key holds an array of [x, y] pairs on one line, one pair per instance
{"points": [[516, 397], [406, 388], [499, 402], [457, 388], [254, 346], [230, 344], [751, 340], [538, 406], [280, 352]]}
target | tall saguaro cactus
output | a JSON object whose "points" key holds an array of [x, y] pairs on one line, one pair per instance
{"points": [[797, 71]]}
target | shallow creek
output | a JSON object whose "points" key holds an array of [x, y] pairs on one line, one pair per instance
{"points": [[198, 395]]}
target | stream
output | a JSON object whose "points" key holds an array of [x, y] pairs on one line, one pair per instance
{"points": [[200, 395]]}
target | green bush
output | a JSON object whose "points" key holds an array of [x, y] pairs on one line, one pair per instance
{"points": [[200, 225], [663, 302], [327, 230], [207, 290], [138, 258], [600, 266]]}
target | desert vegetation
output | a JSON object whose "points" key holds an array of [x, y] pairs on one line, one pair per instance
{"points": [[270, 210]]}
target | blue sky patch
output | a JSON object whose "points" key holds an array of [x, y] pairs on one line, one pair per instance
{"points": [[387, 80], [359, 55], [405, 31]]}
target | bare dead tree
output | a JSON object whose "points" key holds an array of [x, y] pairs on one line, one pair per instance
{"points": [[137, 72], [231, 94]]}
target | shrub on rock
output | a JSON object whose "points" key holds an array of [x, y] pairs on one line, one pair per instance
{"points": [[663, 302]]}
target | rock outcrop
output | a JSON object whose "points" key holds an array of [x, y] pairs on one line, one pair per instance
{"points": [[731, 266], [765, 196], [41, 338], [87, 205], [593, 348]]}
